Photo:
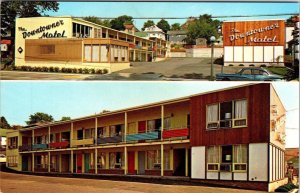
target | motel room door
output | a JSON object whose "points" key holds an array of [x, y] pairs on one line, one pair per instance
{"points": [[131, 162], [79, 163], [86, 163], [25, 163], [141, 162], [142, 126]]}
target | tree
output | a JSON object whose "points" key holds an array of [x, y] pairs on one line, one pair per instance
{"points": [[39, 117], [118, 23], [175, 26], [148, 23], [65, 119], [4, 124], [10, 10], [203, 27], [105, 22], [164, 25]]}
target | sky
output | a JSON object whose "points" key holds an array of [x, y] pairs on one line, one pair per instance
{"points": [[19, 99], [173, 9]]}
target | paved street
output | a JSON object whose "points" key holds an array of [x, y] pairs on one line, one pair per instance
{"points": [[19, 183], [171, 69]]}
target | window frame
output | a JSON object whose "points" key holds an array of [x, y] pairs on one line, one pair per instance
{"points": [[233, 119]]}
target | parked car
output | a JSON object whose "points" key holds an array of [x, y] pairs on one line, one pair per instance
{"points": [[250, 74]]}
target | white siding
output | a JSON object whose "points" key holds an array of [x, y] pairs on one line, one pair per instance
{"points": [[268, 54], [240, 176], [248, 54], [212, 175], [225, 176], [271, 163], [228, 50], [96, 53], [258, 53], [258, 162], [278, 52], [238, 53], [104, 53], [198, 162]]}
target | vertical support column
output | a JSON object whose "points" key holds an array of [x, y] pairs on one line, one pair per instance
{"points": [[72, 160], [49, 132], [162, 159], [117, 35], [59, 162], [96, 163], [125, 148], [32, 137], [186, 161], [32, 162], [96, 126], [71, 137], [49, 161], [106, 33], [126, 161], [152, 51], [100, 32], [162, 146]]}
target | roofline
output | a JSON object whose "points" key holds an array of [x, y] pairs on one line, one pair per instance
{"points": [[256, 20], [149, 105], [82, 20]]}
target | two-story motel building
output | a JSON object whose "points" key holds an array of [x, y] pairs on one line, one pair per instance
{"points": [[68, 42], [232, 137]]}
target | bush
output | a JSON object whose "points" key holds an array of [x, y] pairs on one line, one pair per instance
{"points": [[286, 187], [99, 71], [69, 70], [74, 70], [56, 69], [263, 65], [86, 71], [92, 71], [241, 64], [79, 70], [45, 69], [230, 65], [63, 70], [251, 65], [51, 69], [105, 71]]}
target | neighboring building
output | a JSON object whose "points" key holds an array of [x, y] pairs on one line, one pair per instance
{"points": [[177, 37], [75, 43], [231, 137], [255, 43], [155, 32]]}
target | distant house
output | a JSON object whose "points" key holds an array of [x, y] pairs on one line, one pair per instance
{"points": [[155, 32], [177, 37], [2, 141], [292, 156]]}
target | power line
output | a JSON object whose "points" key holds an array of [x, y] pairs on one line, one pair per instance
{"points": [[221, 16]]}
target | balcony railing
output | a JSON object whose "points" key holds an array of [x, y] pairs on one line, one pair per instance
{"points": [[77, 142], [113, 139], [39, 146], [143, 136], [63, 144], [25, 147], [175, 133], [138, 47]]}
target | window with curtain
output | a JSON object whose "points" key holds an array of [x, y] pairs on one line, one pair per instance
{"points": [[112, 130], [240, 157], [96, 53], [153, 159], [103, 53], [87, 53], [150, 125], [167, 159], [112, 160], [213, 158], [212, 116], [240, 113], [167, 123], [101, 160]]}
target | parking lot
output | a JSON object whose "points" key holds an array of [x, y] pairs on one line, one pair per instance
{"points": [[20, 183], [170, 69]]}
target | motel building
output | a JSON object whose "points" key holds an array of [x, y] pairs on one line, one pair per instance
{"points": [[67, 42], [254, 43], [232, 137]]}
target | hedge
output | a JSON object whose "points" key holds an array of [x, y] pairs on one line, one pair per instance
{"points": [[63, 70]]}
